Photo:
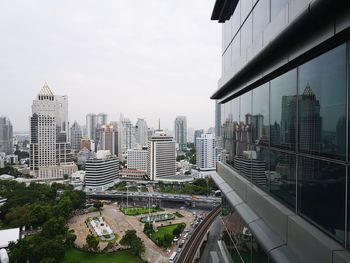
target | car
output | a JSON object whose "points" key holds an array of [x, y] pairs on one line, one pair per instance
{"points": [[179, 250]]}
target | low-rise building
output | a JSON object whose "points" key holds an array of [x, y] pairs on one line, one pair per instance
{"points": [[101, 171], [133, 174]]}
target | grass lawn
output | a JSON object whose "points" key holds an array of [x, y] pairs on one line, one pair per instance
{"points": [[75, 256], [133, 211], [92, 209], [161, 231]]}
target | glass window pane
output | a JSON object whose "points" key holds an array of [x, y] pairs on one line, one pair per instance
{"points": [[283, 177], [321, 194], [261, 17], [276, 7], [260, 117], [228, 133], [246, 7], [283, 102], [246, 36], [322, 104]]}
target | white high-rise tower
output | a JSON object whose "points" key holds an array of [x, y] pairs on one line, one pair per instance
{"points": [[205, 146], [50, 155]]}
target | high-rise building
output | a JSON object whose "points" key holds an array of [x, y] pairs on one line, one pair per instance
{"points": [[141, 130], [205, 148], [180, 132], [283, 128], [126, 137], [75, 137], [91, 124], [6, 135], [108, 139], [50, 152], [161, 156], [102, 119], [101, 171], [62, 117], [137, 159], [197, 134]]}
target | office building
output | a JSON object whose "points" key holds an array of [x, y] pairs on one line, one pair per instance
{"points": [[126, 135], [101, 119], [197, 134], [180, 132], [6, 135], [205, 152], [75, 137], [50, 152], [108, 139], [83, 155], [161, 156], [141, 132], [91, 124], [101, 172], [137, 159], [284, 128]]}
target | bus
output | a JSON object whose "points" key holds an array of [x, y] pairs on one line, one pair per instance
{"points": [[172, 257]]}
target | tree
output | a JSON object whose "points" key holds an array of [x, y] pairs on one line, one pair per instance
{"points": [[135, 243], [137, 247], [65, 176], [53, 227], [167, 239], [39, 214], [51, 250], [70, 238], [18, 216], [98, 204], [92, 242]]}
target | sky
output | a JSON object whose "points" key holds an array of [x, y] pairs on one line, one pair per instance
{"points": [[143, 58]]}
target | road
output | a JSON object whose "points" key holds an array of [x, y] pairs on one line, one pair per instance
{"points": [[155, 195]]}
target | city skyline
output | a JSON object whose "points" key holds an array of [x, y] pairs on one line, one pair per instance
{"points": [[110, 61]]}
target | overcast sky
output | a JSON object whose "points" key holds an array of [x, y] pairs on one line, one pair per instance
{"points": [[146, 59]]}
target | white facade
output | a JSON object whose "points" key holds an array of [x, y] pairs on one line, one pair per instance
{"points": [[126, 135], [205, 146], [101, 172], [137, 159], [180, 132], [102, 119], [50, 155], [161, 156]]}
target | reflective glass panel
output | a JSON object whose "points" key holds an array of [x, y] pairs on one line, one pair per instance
{"points": [[261, 17], [283, 177], [321, 194], [260, 117], [283, 110], [276, 7], [322, 104]]}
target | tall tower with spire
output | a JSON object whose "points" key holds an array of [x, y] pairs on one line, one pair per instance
{"points": [[50, 153]]}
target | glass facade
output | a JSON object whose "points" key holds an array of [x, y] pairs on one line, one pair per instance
{"points": [[289, 137], [246, 26]]}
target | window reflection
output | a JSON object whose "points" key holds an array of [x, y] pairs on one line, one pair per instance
{"points": [[283, 110], [321, 194], [283, 177], [322, 104], [260, 118]]}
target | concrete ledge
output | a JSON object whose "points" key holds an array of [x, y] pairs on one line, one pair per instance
{"points": [[285, 236]]}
